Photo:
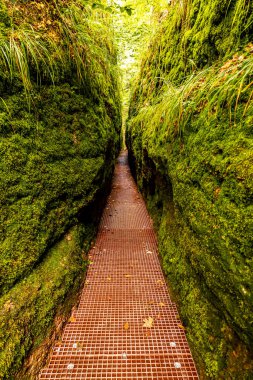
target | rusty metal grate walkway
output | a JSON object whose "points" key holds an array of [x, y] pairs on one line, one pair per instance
{"points": [[125, 285]]}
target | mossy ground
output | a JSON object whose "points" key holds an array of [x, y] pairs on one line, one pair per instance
{"points": [[191, 149]]}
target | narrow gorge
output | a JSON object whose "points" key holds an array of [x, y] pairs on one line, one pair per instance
{"points": [[173, 80]]}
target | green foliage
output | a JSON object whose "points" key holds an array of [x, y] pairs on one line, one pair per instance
{"points": [[4, 19], [52, 166], [29, 309], [70, 40], [114, 7], [59, 125], [190, 140], [205, 94], [132, 34], [193, 37]]}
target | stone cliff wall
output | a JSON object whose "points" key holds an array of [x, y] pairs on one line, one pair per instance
{"points": [[191, 150], [60, 126]]}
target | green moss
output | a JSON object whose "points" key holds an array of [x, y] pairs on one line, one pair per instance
{"points": [[60, 128], [52, 166], [4, 19], [190, 141], [29, 308], [195, 35]]}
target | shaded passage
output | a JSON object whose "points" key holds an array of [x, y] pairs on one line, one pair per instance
{"points": [[125, 289]]}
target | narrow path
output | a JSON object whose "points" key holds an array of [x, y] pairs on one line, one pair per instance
{"points": [[125, 285]]}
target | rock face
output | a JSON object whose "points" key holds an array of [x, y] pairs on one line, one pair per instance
{"points": [[191, 150], [60, 133]]}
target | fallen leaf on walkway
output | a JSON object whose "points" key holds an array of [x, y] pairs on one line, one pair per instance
{"points": [[148, 333], [128, 275], [72, 319], [148, 322], [109, 278], [148, 252], [126, 326], [78, 346], [160, 283], [87, 282], [151, 302], [162, 304], [158, 316], [182, 327]]}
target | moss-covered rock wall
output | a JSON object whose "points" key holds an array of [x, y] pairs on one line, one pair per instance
{"points": [[60, 126], [190, 142]]}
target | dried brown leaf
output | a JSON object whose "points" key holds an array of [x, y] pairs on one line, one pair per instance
{"points": [[126, 326], [148, 322]]}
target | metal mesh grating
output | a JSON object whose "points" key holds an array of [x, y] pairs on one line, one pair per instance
{"points": [[124, 286]]}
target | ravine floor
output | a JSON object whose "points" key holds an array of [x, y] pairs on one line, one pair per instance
{"points": [[126, 326]]}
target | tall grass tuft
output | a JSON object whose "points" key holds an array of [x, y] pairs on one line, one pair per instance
{"points": [[79, 45], [208, 93]]}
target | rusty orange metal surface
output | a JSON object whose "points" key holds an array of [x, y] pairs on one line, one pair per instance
{"points": [[125, 286]]}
